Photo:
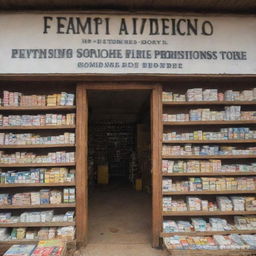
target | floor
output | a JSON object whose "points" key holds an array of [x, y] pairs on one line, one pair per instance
{"points": [[119, 223]]}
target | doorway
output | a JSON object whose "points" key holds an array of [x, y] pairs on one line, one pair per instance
{"points": [[119, 166], [127, 207]]}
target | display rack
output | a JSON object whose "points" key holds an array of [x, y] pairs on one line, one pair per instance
{"points": [[47, 130], [172, 107]]}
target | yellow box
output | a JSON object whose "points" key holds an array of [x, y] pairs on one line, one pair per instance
{"points": [[138, 184], [102, 174]]}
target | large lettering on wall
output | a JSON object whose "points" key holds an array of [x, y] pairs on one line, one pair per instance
{"points": [[107, 44]]}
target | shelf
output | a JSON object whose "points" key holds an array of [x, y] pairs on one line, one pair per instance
{"points": [[46, 127], [40, 206], [192, 103], [210, 157], [15, 241], [20, 185], [210, 192], [207, 213], [217, 252], [38, 108], [37, 146], [242, 122], [37, 165], [208, 233], [37, 224], [207, 141], [201, 174], [27, 241]]}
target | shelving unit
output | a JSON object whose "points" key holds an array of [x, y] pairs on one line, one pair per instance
{"points": [[37, 165], [40, 108], [194, 233], [210, 157], [37, 146], [201, 174], [21, 185], [37, 224], [47, 130], [209, 213], [244, 252], [46, 127], [225, 192], [205, 103], [189, 123], [39, 206], [172, 107], [208, 141]]}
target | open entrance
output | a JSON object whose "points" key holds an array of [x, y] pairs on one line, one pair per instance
{"points": [[119, 166]]}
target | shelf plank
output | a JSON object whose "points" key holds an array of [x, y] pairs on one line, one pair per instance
{"points": [[37, 165], [209, 157], [208, 233], [192, 103], [37, 224], [208, 141], [178, 123], [37, 146], [210, 192], [217, 252], [46, 127], [207, 213], [29, 241], [40, 206], [20, 185], [39, 108], [164, 174]]}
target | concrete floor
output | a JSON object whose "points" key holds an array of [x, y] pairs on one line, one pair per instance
{"points": [[119, 223]]}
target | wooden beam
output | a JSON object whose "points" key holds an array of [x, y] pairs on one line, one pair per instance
{"points": [[81, 167], [119, 86], [156, 131]]}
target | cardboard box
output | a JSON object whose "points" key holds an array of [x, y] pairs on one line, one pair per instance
{"points": [[102, 174]]}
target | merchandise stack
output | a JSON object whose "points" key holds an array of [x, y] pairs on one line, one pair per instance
{"points": [[209, 170], [112, 145], [37, 167]]}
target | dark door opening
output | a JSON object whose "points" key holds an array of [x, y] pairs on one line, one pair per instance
{"points": [[119, 166]]}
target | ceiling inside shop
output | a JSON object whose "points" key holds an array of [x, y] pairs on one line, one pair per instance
{"points": [[127, 106], [239, 6]]}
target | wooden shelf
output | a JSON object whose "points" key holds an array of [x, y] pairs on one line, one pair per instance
{"points": [[20, 185], [210, 157], [37, 165], [207, 213], [192, 103], [217, 252], [201, 174], [37, 108], [40, 206], [37, 146], [208, 233], [37, 224], [27, 241], [210, 192], [46, 127], [243, 122], [24, 241], [208, 141]]}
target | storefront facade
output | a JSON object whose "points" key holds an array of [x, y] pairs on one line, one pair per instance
{"points": [[105, 51]]}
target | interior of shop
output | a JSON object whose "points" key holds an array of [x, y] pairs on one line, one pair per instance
{"points": [[119, 163]]}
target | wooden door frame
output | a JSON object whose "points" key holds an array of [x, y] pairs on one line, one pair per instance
{"points": [[82, 154]]}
